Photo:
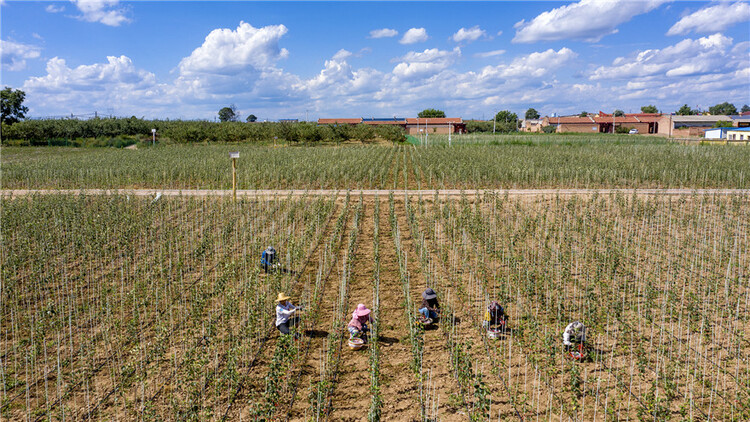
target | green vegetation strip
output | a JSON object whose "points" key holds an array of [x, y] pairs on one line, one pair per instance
{"points": [[516, 162]]}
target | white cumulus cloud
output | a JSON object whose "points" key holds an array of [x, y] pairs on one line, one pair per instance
{"points": [[102, 11], [118, 73], [712, 19], [383, 33], [414, 35], [423, 64], [13, 55], [226, 51], [471, 34], [688, 57], [339, 79], [587, 20]]}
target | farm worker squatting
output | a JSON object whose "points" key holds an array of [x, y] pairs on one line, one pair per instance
{"points": [[494, 315], [360, 318], [284, 312], [268, 258], [575, 333], [430, 306]]}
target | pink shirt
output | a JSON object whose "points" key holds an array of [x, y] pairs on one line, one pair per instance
{"points": [[357, 321]]}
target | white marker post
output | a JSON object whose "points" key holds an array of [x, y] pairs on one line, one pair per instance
{"points": [[234, 156], [153, 136]]}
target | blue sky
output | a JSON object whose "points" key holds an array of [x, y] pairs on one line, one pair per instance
{"points": [[343, 59]]}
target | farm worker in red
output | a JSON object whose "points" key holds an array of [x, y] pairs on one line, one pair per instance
{"points": [[360, 318], [575, 333], [494, 315], [430, 306], [284, 312]]}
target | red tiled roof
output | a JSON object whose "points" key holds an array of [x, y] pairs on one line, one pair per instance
{"points": [[434, 120], [571, 120], [334, 121], [618, 119], [384, 122]]}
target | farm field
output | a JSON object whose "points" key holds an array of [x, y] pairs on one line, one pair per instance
{"points": [[122, 308], [478, 161]]}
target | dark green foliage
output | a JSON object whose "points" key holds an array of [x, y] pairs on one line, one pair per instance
{"points": [[391, 133], [475, 126], [340, 132], [649, 109], [363, 133], [532, 114], [228, 114], [722, 123], [685, 110], [724, 108], [584, 114], [251, 118], [431, 112], [619, 113], [745, 108], [622, 129], [81, 132], [506, 121], [11, 101], [506, 116]]}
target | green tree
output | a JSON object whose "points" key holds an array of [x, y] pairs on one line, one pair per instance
{"points": [[532, 114], [745, 108], [619, 113], [583, 114], [722, 123], [724, 108], [506, 116], [685, 110], [251, 118], [649, 109], [309, 132], [363, 133], [13, 109], [289, 131], [506, 121], [431, 112], [228, 114], [390, 133]]}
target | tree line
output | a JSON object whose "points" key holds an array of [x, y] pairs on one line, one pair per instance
{"points": [[122, 131]]}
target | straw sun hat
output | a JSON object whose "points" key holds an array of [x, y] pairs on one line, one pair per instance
{"points": [[282, 297]]}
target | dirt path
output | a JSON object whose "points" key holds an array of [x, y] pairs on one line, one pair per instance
{"points": [[436, 361], [350, 399], [314, 350], [383, 193]]}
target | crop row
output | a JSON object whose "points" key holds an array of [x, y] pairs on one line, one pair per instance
{"points": [[599, 164]]}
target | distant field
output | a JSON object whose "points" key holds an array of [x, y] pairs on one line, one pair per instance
{"points": [[473, 161]]}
